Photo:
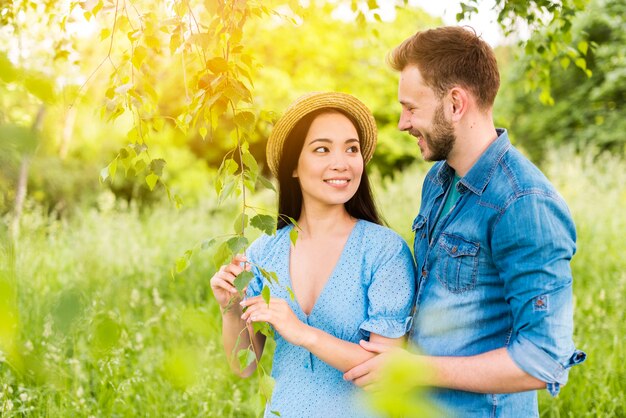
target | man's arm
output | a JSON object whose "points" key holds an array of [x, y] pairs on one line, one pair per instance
{"points": [[490, 372]]}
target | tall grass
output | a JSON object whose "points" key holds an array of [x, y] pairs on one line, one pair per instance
{"points": [[93, 324]]}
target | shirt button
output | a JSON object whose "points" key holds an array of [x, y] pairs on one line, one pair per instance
{"points": [[454, 249], [424, 273]]}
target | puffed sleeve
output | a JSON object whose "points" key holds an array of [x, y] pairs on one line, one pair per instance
{"points": [[391, 293]]}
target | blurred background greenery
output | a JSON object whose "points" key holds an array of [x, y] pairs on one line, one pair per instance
{"points": [[92, 323]]}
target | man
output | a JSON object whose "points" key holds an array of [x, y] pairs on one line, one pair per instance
{"points": [[493, 241]]}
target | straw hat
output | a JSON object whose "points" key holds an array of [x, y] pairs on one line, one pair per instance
{"points": [[312, 102]]}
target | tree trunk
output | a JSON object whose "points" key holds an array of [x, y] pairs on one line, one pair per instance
{"points": [[22, 183]]}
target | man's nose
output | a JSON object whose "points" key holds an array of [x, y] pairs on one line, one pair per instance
{"points": [[404, 123]]}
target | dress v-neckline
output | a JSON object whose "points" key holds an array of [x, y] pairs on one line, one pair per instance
{"points": [[328, 279]]}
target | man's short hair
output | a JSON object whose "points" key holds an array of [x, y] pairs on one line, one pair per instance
{"points": [[449, 56]]}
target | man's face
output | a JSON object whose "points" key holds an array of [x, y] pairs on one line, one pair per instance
{"points": [[423, 116]]}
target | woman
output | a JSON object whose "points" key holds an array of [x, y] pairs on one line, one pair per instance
{"points": [[352, 279]]}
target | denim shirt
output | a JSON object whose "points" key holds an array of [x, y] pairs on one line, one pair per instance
{"points": [[495, 272]]}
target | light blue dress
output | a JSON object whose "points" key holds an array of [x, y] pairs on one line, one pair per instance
{"points": [[372, 289]]}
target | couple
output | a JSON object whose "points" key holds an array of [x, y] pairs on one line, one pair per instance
{"points": [[493, 240]]}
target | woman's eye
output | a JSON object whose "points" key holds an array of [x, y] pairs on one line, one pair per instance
{"points": [[353, 149], [320, 149]]}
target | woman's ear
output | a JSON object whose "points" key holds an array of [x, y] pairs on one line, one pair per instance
{"points": [[295, 173]]}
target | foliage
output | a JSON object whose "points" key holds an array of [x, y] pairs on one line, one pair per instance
{"points": [[553, 21], [590, 112]]}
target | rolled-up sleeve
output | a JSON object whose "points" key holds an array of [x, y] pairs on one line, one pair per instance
{"points": [[391, 292], [533, 242]]}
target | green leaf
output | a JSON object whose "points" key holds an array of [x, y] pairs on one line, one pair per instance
{"points": [[222, 255], [293, 236], [203, 132], [152, 179], [264, 328], [266, 293], [271, 276], [156, 166], [208, 243], [583, 47], [242, 280], [581, 63], [217, 65], [241, 223], [140, 165], [181, 264], [275, 413], [104, 174], [266, 387], [8, 72], [246, 358], [245, 120], [292, 295], [266, 183], [237, 244], [265, 223], [249, 161], [227, 190], [112, 168], [139, 55]]}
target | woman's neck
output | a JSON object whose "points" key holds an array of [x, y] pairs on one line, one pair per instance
{"points": [[324, 222]]}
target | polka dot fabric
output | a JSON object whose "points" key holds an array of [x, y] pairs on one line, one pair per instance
{"points": [[371, 289]]}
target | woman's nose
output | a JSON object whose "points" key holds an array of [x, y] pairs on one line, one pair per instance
{"points": [[339, 162]]}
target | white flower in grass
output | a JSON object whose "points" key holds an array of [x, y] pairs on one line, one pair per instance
{"points": [[23, 397], [28, 345], [47, 328], [134, 298], [156, 297], [8, 405], [80, 392]]}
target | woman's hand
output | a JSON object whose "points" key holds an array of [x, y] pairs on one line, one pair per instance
{"points": [[279, 315], [222, 282]]}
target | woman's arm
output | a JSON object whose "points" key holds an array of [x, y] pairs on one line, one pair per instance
{"points": [[340, 354], [235, 331]]}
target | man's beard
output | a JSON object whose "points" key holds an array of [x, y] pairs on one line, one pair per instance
{"points": [[441, 138]]}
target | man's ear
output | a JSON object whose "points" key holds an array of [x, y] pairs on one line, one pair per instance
{"points": [[459, 102]]}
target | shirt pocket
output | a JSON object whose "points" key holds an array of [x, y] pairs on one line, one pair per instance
{"points": [[457, 263]]}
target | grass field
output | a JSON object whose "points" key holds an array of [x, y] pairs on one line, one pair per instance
{"points": [[93, 324]]}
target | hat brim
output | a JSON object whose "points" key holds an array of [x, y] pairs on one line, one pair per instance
{"points": [[315, 101]]}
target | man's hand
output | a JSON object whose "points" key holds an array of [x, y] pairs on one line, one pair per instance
{"points": [[367, 375]]}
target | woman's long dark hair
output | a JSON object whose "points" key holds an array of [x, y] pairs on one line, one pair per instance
{"points": [[360, 206]]}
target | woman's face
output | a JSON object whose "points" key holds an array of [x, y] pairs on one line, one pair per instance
{"points": [[330, 165]]}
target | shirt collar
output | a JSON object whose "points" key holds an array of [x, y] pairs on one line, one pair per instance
{"points": [[479, 175]]}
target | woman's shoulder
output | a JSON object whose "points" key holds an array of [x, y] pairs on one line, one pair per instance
{"points": [[379, 235], [268, 244]]}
